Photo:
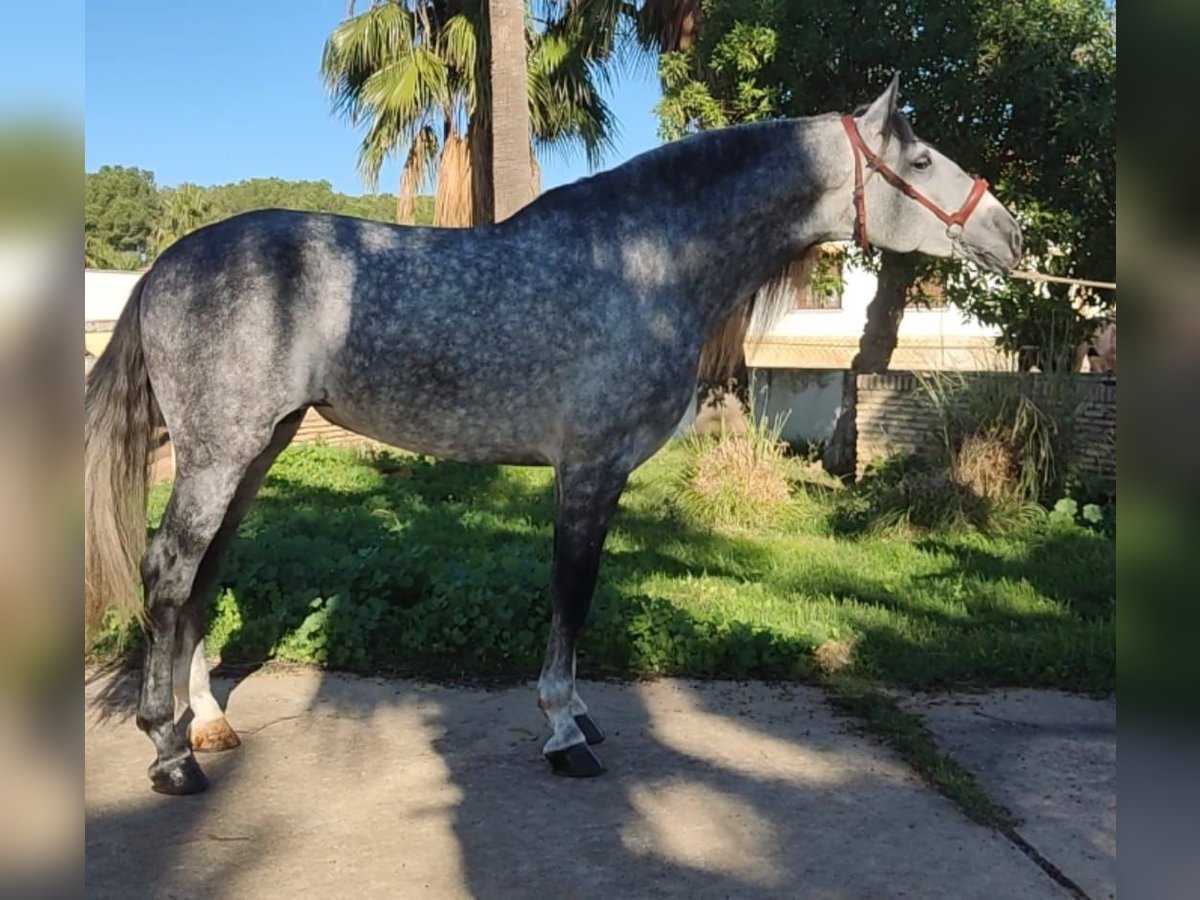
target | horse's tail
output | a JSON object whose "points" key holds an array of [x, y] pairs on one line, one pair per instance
{"points": [[120, 420]]}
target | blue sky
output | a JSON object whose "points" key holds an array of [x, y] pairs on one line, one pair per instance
{"points": [[219, 91]]}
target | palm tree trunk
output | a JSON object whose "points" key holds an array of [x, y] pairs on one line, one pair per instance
{"points": [[479, 139], [511, 168], [875, 348]]}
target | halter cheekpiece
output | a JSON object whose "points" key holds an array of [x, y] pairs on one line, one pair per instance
{"points": [[954, 221]]}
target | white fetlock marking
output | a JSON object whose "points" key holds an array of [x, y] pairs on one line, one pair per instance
{"points": [[552, 698], [205, 707], [566, 733], [578, 707]]}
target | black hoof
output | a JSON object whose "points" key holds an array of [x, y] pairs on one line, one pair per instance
{"points": [[185, 777], [591, 731], [576, 761]]}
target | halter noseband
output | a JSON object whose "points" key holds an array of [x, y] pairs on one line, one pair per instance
{"points": [[952, 220]]}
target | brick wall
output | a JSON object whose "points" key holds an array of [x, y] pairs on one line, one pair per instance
{"points": [[893, 415]]}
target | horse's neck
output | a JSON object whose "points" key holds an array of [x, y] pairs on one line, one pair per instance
{"points": [[751, 227]]}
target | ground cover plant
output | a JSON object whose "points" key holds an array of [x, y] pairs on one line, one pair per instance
{"points": [[397, 564]]}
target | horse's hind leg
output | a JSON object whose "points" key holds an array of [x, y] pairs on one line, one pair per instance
{"points": [[208, 730], [585, 498], [206, 484]]}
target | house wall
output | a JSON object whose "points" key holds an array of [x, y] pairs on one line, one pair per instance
{"points": [[927, 339], [105, 292], [806, 401]]}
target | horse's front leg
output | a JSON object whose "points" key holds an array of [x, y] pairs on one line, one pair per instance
{"points": [[585, 499]]}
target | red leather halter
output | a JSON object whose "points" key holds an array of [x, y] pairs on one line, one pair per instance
{"points": [[978, 189]]}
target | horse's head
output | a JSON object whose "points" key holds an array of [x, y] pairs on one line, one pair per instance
{"points": [[914, 199]]}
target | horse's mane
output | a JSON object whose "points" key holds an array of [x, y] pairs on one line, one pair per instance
{"points": [[674, 173], [676, 170], [724, 351]]}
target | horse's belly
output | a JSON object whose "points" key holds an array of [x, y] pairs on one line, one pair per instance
{"points": [[464, 436]]}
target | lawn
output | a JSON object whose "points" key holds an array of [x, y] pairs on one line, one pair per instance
{"points": [[405, 565]]}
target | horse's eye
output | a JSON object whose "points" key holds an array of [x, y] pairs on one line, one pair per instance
{"points": [[922, 162]]}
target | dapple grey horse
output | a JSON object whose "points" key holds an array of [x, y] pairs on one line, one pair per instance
{"points": [[569, 336]]}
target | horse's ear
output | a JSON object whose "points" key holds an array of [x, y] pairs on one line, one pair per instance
{"points": [[877, 120]]}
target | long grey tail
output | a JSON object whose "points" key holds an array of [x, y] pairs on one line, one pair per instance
{"points": [[120, 420]]}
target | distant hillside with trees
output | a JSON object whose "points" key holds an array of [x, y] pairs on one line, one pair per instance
{"points": [[128, 219]]}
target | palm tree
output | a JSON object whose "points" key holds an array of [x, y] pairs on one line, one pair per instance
{"points": [[185, 209], [414, 74], [511, 159]]}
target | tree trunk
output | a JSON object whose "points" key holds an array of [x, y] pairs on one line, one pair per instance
{"points": [[479, 139], [878, 342], [511, 168], [875, 348]]}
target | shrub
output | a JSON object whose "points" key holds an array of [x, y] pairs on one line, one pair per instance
{"points": [[1005, 437], [911, 491], [907, 491], [736, 481]]}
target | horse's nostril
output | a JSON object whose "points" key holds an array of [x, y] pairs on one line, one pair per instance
{"points": [[1014, 242], [1006, 225]]}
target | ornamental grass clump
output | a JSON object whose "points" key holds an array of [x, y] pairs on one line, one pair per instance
{"points": [[999, 448], [1006, 438], [737, 481]]}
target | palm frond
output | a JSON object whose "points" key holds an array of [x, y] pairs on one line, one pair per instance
{"points": [[417, 173], [461, 46], [566, 107], [358, 48], [453, 205], [398, 66]]}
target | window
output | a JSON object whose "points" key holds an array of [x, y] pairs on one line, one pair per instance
{"points": [[815, 298], [822, 288]]}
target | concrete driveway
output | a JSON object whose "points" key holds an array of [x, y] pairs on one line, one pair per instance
{"points": [[362, 788]]}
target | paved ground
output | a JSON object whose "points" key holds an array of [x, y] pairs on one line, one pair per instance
{"points": [[1051, 758], [359, 788]]}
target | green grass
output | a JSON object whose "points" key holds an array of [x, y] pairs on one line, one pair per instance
{"points": [[408, 565]]}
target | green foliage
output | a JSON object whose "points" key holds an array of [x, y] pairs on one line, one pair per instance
{"points": [[1090, 503], [399, 564], [183, 209], [909, 492], [128, 220], [733, 92], [1001, 446], [414, 78], [1030, 419], [1022, 93], [120, 209]]}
